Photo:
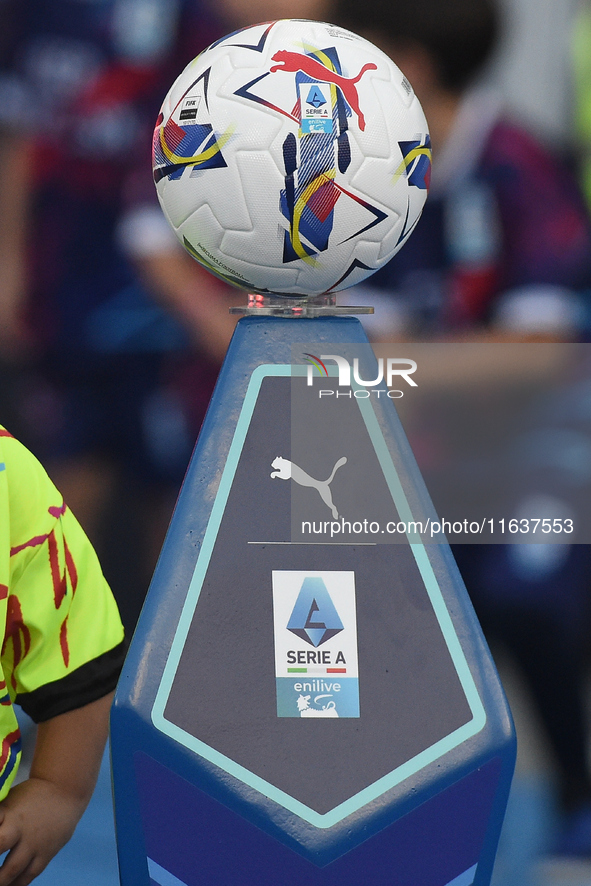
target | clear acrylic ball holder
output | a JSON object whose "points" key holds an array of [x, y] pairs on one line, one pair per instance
{"points": [[297, 306]]}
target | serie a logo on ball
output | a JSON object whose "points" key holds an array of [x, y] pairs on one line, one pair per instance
{"points": [[292, 158]]}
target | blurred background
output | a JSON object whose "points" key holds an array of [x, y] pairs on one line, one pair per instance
{"points": [[111, 337]]}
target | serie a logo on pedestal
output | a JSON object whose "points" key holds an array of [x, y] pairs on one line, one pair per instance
{"points": [[316, 662]]}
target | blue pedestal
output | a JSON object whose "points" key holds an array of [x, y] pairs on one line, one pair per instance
{"points": [[306, 710]]}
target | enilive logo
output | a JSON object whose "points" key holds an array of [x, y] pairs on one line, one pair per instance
{"points": [[389, 370]]}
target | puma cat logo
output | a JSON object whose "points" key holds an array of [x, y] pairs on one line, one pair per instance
{"points": [[297, 61], [287, 470]]}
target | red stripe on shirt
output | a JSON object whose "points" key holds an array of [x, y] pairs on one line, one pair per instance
{"points": [[59, 581], [71, 567], [31, 543]]}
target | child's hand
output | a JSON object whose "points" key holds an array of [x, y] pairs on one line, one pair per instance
{"points": [[39, 816], [36, 820]]}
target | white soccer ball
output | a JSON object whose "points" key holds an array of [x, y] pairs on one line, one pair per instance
{"points": [[292, 157]]}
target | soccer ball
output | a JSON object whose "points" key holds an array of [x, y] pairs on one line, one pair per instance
{"points": [[292, 158]]}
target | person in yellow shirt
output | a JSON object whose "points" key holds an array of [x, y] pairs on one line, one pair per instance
{"points": [[61, 654]]}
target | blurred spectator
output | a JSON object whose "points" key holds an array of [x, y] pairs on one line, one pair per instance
{"points": [[96, 369], [531, 66], [504, 238], [504, 243], [111, 336]]}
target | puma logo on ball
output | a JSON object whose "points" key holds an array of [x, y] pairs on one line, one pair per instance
{"points": [[292, 62]]}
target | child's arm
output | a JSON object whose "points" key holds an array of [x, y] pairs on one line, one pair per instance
{"points": [[39, 816]]}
